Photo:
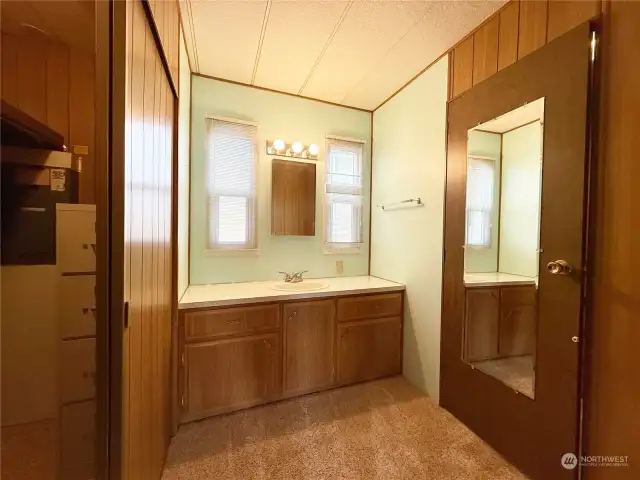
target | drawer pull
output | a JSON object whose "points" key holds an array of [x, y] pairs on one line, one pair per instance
{"points": [[233, 322], [267, 344], [86, 310]]}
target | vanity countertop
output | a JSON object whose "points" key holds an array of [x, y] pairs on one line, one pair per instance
{"points": [[496, 279], [215, 295]]}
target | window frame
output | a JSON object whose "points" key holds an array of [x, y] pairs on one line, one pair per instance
{"points": [[347, 248], [223, 249], [490, 212]]}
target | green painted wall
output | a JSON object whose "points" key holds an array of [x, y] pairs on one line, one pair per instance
{"points": [[278, 116]]}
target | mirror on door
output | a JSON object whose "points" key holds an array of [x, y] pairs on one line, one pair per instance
{"points": [[502, 245]]}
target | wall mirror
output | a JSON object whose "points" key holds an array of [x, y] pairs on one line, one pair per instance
{"points": [[293, 198], [502, 246]]}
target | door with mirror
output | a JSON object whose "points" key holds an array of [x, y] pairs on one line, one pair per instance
{"points": [[513, 283]]}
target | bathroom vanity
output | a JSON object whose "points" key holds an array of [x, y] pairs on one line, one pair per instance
{"points": [[246, 344]]}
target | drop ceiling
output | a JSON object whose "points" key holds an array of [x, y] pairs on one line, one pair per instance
{"points": [[355, 53], [519, 117]]}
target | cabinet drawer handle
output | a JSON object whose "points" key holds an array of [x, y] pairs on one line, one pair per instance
{"points": [[233, 322], [292, 315], [267, 344], [86, 310]]}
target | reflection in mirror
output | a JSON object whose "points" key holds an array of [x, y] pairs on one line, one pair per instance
{"points": [[502, 244]]}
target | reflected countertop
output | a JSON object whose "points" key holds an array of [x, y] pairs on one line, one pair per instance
{"points": [[214, 295], [496, 279]]}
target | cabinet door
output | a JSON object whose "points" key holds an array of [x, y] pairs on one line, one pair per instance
{"points": [[308, 351], [369, 349], [518, 320], [293, 198], [481, 323], [227, 375]]}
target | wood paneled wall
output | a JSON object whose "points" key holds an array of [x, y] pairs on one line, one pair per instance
{"points": [[516, 30], [166, 15], [54, 84], [149, 162], [612, 409]]}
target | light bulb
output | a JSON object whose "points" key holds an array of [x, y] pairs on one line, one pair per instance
{"points": [[314, 149], [278, 144], [296, 147]]}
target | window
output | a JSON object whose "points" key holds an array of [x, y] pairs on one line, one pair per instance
{"points": [[231, 184], [480, 184], [343, 195]]}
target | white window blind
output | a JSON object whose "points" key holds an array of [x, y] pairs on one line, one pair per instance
{"points": [[343, 194], [480, 190], [231, 184]]}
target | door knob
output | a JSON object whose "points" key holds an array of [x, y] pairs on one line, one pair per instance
{"points": [[559, 267]]}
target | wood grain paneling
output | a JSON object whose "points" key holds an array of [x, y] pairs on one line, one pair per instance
{"points": [[532, 26], [565, 15], [613, 323], [462, 67], [308, 346], [54, 84], [508, 36], [518, 320], [149, 117], [293, 198], [167, 19], [485, 50]]}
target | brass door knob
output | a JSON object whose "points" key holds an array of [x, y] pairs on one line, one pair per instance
{"points": [[559, 267]]}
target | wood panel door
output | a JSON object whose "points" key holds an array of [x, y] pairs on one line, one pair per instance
{"points": [[308, 346], [226, 375], [533, 433], [357, 341], [482, 312], [143, 106]]}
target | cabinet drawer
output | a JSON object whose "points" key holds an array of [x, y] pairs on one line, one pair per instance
{"points": [[518, 296], [77, 306], [77, 375], [369, 349], [369, 306], [209, 324], [78, 441], [226, 375], [76, 240]]}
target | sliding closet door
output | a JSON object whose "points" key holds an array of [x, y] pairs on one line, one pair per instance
{"points": [[143, 156]]}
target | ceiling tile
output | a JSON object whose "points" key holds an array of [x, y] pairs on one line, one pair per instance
{"points": [[368, 31], [443, 25], [227, 35], [296, 34]]}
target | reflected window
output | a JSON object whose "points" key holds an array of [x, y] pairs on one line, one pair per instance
{"points": [[480, 173]]}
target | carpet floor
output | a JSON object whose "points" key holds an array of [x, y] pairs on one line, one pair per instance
{"points": [[383, 430]]}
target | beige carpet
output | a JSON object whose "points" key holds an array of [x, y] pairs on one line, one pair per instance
{"points": [[380, 430], [516, 372], [29, 451]]}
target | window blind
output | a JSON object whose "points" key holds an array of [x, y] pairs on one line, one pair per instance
{"points": [[480, 189], [231, 184], [343, 194]]}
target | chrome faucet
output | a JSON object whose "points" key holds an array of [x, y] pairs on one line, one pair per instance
{"points": [[293, 277]]}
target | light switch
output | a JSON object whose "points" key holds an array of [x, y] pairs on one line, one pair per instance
{"points": [[339, 266]]}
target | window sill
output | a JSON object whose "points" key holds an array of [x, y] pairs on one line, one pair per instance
{"points": [[240, 252]]}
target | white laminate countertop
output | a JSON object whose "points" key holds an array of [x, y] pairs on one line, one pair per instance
{"points": [[495, 279], [215, 295]]}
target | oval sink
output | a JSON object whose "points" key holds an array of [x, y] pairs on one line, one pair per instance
{"points": [[304, 286]]}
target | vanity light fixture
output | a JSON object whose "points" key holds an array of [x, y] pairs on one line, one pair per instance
{"points": [[294, 150]]}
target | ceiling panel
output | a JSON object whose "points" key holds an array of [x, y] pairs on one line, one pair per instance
{"points": [[296, 34], [516, 118], [368, 31], [227, 34], [442, 26]]}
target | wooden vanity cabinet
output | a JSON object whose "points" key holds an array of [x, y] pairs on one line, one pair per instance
{"points": [[240, 356], [231, 374], [308, 330], [482, 316]]}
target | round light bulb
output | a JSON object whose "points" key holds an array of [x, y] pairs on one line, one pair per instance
{"points": [[314, 149], [278, 144], [296, 147]]}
